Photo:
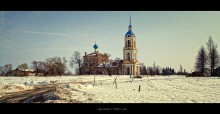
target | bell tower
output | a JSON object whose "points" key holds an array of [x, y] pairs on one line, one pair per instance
{"points": [[130, 65]]}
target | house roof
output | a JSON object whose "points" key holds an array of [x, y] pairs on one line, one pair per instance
{"points": [[31, 70]]}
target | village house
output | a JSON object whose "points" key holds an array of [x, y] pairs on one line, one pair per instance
{"points": [[24, 72]]}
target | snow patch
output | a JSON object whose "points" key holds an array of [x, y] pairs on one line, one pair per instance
{"points": [[30, 83], [72, 93], [77, 86]]}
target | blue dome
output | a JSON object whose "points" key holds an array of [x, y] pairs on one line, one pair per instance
{"points": [[95, 46], [129, 33]]}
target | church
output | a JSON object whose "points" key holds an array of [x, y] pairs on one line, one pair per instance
{"points": [[98, 63]]}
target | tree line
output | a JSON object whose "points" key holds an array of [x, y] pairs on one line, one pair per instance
{"points": [[158, 70], [52, 66]]}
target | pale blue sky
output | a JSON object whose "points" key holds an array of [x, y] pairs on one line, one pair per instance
{"points": [[169, 38]]}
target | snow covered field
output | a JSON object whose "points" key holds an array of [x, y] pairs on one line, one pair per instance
{"points": [[157, 89]]}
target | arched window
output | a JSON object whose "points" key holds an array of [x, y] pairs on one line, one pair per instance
{"points": [[129, 43], [128, 56], [134, 44]]}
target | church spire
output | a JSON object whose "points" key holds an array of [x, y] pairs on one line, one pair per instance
{"points": [[130, 20], [129, 33], [130, 27]]}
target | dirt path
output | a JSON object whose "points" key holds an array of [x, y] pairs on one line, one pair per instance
{"points": [[19, 97], [40, 90]]}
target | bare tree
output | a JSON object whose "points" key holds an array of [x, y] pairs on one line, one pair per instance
{"points": [[6, 69], [50, 66], [75, 60], [37, 66], [1, 70], [45, 67], [201, 61], [22, 67], [55, 66], [213, 56], [63, 65]]}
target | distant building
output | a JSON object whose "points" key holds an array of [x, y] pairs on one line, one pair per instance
{"points": [[24, 72]]}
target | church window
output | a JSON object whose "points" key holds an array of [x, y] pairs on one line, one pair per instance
{"points": [[129, 43], [128, 56]]}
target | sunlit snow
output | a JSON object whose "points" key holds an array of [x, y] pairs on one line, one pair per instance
{"points": [[153, 89]]}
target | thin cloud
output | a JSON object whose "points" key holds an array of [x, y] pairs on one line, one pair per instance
{"points": [[45, 33]]}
